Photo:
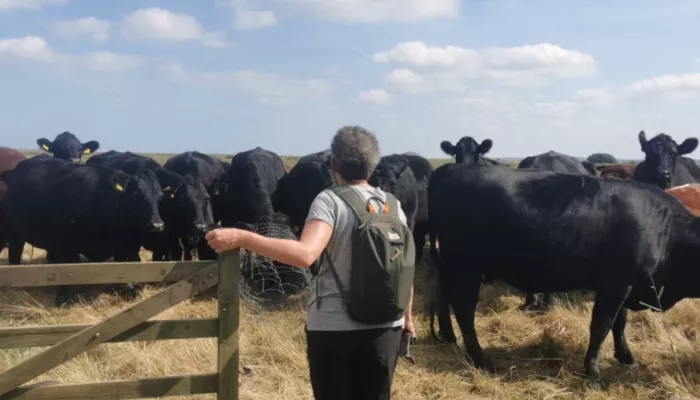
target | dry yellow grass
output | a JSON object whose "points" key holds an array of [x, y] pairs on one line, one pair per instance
{"points": [[537, 357]]}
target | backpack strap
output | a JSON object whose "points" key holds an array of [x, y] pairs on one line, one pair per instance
{"points": [[361, 207]]}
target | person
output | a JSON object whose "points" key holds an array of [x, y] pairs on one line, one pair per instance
{"points": [[347, 359]]}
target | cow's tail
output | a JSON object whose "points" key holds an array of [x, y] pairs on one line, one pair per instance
{"points": [[434, 283]]}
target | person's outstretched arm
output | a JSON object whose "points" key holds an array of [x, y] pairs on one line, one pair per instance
{"points": [[299, 253]]}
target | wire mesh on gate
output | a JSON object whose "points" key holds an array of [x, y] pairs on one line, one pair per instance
{"points": [[269, 282]]}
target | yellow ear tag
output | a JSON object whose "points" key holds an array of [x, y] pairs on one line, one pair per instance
{"points": [[45, 147], [172, 195], [119, 187], [87, 151]]}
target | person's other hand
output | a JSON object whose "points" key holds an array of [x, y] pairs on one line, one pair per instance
{"points": [[224, 239]]}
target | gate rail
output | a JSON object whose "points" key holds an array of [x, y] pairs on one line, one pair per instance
{"points": [[132, 324]]}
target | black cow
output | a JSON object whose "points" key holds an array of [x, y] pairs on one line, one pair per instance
{"points": [[394, 175], [558, 162], [67, 147], [469, 151], [663, 165], [186, 209], [211, 172], [70, 209], [251, 182], [421, 169], [555, 162], [548, 232], [300, 186]]}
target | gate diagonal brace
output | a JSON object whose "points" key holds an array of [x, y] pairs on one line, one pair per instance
{"points": [[102, 332]]}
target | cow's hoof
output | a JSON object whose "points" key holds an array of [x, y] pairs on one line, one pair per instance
{"points": [[625, 357], [447, 337]]}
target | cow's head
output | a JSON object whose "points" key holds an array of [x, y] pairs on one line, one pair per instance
{"points": [[661, 155], [467, 150], [388, 173], [186, 205], [139, 197], [66, 146]]}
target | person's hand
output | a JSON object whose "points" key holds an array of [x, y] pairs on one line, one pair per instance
{"points": [[408, 327], [224, 239]]}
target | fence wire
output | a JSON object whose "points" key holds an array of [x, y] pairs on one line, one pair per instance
{"points": [[267, 282]]}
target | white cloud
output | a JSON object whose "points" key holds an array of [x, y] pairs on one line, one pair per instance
{"points": [[251, 19], [107, 61], [369, 11], [98, 29], [268, 88], [452, 67], [248, 18], [29, 48], [672, 84], [594, 97], [33, 5], [160, 24], [377, 96], [34, 48]]}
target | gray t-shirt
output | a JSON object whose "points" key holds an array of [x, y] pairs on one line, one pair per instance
{"points": [[331, 314]]}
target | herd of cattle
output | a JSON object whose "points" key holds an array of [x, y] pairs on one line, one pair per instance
{"points": [[550, 225]]}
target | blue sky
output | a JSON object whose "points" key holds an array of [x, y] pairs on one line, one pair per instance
{"points": [[223, 76]]}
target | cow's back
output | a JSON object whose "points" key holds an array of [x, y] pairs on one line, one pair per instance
{"points": [[300, 186], [9, 158], [252, 180], [555, 162], [199, 165], [689, 195], [545, 231]]}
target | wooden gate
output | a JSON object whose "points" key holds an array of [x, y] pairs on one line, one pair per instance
{"points": [[69, 341]]}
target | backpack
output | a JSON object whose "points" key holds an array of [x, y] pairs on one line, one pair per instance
{"points": [[382, 261]]}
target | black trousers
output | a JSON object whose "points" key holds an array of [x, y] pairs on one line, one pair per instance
{"points": [[353, 365]]}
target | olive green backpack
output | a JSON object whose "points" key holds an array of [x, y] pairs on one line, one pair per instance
{"points": [[383, 261]]}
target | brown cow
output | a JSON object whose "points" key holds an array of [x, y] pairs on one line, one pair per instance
{"points": [[616, 171], [8, 160], [689, 195]]}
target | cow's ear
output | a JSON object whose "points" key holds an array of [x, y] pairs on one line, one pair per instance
{"points": [[118, 182], [44, 144], [219, 187], [642, 139], [688, 146], [403, 165], [169, 191], [90, 147], [485, 146], [447, 147]]}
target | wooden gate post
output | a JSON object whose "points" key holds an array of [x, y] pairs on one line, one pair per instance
{"points": [[229, 299]]}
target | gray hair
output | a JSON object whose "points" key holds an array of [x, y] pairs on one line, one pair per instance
{"points": [[355, 152]]}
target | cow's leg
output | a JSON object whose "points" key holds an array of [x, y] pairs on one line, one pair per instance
{"points": [[608, 302], [531, 301], [419, 241], [64, 293], [205, 251], [463, 297], [547, 301], [440, 304], [622, 350], [15, 250]]}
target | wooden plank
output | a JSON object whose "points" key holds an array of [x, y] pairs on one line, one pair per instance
{"points": [[39, 336], [229, 298], [97, 273], [134, 389], [108, 329]]}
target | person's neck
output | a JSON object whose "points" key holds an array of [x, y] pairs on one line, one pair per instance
{"points": [[357, 183]]}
